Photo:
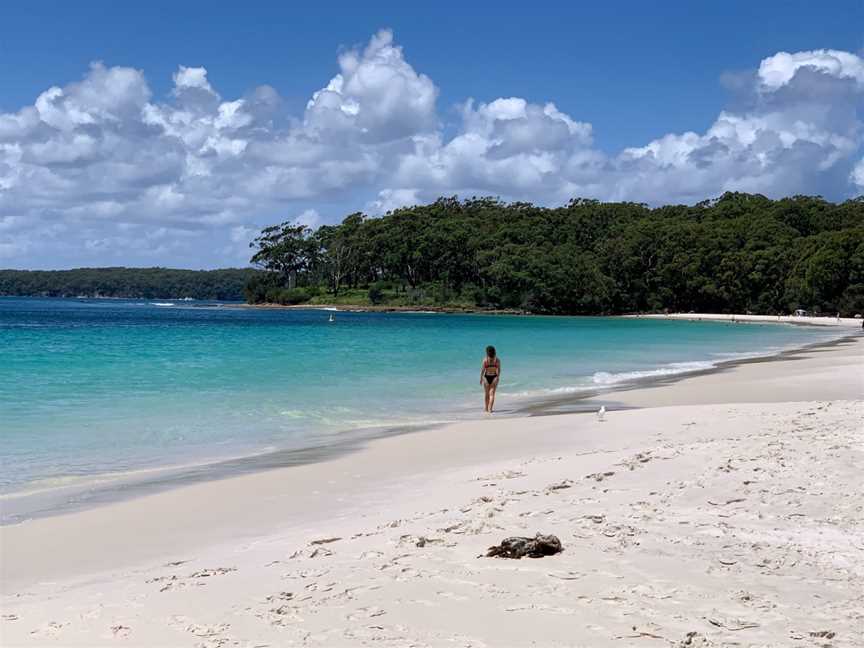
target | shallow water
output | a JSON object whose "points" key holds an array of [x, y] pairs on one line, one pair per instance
{"points": [[96, 387]]}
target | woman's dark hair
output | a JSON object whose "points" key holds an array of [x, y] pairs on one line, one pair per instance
{"points": [[490, 351]]}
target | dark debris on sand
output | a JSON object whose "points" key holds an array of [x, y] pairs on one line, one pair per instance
{"points": [[517, 546]]}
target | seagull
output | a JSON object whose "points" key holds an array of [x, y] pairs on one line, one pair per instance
{"points": [[601, 412]]}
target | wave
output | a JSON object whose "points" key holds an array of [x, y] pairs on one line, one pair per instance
{"points": [[161, 303], [610, 379], [672, 369], [551, 391]]}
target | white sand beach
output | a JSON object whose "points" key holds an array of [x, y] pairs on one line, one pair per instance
{"points": [[724, 509], [804, 320]]}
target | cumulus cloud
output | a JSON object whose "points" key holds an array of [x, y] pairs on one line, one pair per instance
{"points": [[799, 135], [857, 175], [390, 199], [101, 171], [508, 147], [780, 69], [377, 95]]}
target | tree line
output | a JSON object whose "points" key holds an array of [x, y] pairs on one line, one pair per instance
{"points": [[738, 253], [145, 283]]}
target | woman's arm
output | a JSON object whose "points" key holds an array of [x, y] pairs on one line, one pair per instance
{"points": [[482, 370]]}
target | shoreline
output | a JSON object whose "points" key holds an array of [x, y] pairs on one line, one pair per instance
{"points": [[591, 399], [383, 308], [808, 320], [681, 521], [803, 320], [103, 489]]}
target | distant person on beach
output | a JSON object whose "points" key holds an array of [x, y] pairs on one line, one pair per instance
{"points": [[490, 374]]}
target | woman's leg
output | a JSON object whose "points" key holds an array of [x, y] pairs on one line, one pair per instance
{"points": [[486, 387], [491, 395]]}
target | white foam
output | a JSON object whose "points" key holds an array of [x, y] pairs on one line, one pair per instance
{"points": [[551, 391], [606, 378], [610, 379], [161, 303]]}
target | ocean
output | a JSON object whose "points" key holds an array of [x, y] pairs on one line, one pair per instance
{"points": [[97, 389]]}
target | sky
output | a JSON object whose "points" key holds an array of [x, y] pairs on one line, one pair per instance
{"points": [[169, 133]]}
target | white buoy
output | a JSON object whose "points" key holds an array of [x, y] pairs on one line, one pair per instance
{"points": [[601, 413]]}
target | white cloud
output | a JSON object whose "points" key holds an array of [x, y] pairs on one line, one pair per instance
{"points": [[309, 218], [97, 171], [390, 199], [857, 175], [377, 96], [799, 136], [778, 70], [242, 234], [187, 77]]}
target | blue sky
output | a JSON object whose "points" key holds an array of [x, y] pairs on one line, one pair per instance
{"points": [[672, 94], [636, 70]]}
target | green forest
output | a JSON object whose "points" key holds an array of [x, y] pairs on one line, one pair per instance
{"points": [[738, 253], [147, 283]]}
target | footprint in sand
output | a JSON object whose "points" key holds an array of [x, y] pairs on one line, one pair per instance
{"points": [[322, 541], [167, 583], [366, 613], [206, 631], [51, 630], [695, 640], [281, 596], [567, 483], [214, 642], [637, 460], [317, 552], [600, 476], [120, 631], [472, 527], [282, 615], [216, 571], [505, 474], [172, 582], [374, 553]]}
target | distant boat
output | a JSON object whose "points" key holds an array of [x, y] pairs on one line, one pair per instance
{"points": [[332, 319]]}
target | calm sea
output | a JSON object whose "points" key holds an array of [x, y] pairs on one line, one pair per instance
{"points": [[96, 387]]}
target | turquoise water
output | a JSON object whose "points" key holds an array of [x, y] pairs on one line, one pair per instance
{"points": [[89, 387]]}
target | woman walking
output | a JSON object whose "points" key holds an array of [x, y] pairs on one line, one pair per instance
{"points": [[490, 374]]}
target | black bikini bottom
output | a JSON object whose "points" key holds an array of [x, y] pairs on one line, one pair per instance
{"points": [[490, 378]]}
